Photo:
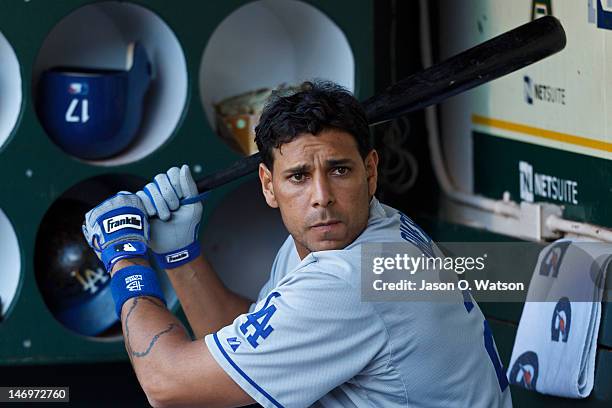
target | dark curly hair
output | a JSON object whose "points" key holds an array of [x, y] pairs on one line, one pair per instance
{"points": [[315, 107]]}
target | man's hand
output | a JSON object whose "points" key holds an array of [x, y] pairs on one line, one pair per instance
{"points": [[174, 235], [117, 229]]}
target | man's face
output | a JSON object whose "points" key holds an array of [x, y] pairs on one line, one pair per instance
{"points": [[322, 187]]}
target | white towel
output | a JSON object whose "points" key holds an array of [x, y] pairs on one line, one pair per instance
{"points": [[556, 341]]}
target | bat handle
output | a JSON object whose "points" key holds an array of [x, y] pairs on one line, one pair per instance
{"points": [[239, 169]]}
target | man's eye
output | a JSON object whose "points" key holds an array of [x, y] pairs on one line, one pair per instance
{"points": [[341, 171], [297, 177]]}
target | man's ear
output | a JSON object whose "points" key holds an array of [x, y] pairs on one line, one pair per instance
{"points": [[371, 166], [265, 176]]}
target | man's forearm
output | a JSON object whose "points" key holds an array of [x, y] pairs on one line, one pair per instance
{"points": [[152, 334], [207, 303], [172, 369]]}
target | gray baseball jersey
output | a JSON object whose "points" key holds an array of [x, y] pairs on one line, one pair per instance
{"points": [[309, 340]]}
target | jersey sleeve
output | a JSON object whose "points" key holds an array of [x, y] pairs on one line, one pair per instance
{"points": [[306, 337]]}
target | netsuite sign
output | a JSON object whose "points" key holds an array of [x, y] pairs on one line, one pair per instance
{"points": [[542, 92], [534, 184]]}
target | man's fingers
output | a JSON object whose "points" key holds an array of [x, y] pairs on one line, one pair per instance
{"points": [[188, 185], [174, 175], [155, 196], [167, 191], [86, 233], [163, 195], [148, 204], [124, 197]]}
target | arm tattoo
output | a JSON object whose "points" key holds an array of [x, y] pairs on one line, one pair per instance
{"points": [[130, 350]]}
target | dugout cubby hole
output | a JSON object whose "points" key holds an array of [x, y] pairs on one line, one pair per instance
{"points": [[10, 265], [10, 84], [263, 45], [96, 36], [70, 278], [241, 238]]}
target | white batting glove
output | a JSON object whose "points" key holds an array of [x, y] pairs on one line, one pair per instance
{"points": [[174, 234], [117, 229]]}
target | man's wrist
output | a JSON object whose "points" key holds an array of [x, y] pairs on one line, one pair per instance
{"points": [[178, 257], [133, 279], [125, 262], [131, 247]]}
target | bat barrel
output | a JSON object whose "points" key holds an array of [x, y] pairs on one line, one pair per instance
{"points": [[492, 59]]}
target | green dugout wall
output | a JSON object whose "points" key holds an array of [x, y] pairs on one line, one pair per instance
{"points": [[177, 127]]}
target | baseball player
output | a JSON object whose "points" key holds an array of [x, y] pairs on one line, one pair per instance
{"points": [[309, 339]]}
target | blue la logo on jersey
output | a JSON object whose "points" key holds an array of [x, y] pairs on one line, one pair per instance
{"points": [[234, 343], [261, 328], [561, 320], [525, 370]]}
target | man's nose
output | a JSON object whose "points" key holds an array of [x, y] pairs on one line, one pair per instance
{"points": [[322, 194]]}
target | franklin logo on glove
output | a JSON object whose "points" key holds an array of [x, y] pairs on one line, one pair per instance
{"points": [[123, 221]]}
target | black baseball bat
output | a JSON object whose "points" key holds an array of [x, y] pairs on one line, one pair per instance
{"points": [[485, 62]]}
